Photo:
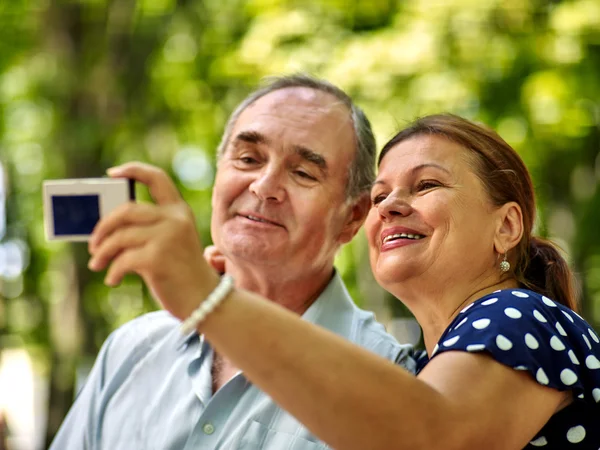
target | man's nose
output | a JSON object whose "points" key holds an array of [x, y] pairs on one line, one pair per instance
{"points": [[394, 205], [268, 185]]}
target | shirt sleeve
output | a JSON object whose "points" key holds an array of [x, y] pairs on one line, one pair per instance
{"points": [[529, 332], [78, 428]]}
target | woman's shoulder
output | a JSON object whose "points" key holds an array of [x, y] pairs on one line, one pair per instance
{"points": [[528, 331], [527, 317], [510, 305]]}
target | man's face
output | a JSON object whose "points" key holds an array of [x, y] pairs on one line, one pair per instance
{"points": [[279, 198]]}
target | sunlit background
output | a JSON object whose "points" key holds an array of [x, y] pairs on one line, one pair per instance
{"points": [[86, 84]]}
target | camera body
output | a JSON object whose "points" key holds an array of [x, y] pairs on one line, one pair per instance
{"points": [[72, 207]]}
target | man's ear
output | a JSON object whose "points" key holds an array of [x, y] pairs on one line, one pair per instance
{"points": [[510, 227], [356, 215]]}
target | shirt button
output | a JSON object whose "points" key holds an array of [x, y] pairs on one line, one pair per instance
{"points": [[208, 428]]}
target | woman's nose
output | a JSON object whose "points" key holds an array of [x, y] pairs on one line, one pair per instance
{"points": [[394, 205]]}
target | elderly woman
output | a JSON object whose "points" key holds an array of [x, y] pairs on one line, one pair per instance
{"points": [[509, 364]]}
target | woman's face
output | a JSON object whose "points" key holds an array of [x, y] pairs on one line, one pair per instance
{"points": [[431, 219]]}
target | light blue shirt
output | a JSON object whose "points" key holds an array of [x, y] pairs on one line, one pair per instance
{"points": [[151, 388]]}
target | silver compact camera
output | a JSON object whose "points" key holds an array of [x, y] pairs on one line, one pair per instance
{"points": [[73, 207]]}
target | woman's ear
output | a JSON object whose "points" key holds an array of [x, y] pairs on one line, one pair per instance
{"points": [[357, 213], [510, 227]]}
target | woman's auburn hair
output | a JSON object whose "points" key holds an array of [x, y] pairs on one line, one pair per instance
{"points": [[538, 264]]}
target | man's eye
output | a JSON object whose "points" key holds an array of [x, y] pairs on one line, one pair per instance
{"points": [[248, 160], [305, 175]]}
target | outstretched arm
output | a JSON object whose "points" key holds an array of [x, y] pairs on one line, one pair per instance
{"points": [[353, 399], [345, 395]]}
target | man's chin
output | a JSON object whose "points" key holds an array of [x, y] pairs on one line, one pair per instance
{"points": [[253, 254]]}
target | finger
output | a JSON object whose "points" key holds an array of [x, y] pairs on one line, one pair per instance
{"points": [[127, 214], [215, 258], [117, 242], [128, 261], [161, 186], [209, 252]]}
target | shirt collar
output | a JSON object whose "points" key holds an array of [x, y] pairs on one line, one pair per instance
{"points": [[185, 341], [333, 309]]}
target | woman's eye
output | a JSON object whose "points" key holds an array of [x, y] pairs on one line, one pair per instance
{"points": [[428, 184], [248, 160], [378, 199]]}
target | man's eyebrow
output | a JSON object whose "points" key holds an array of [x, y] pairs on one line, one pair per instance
{"points": [[311, 157], [251, 137], [417, 169]]}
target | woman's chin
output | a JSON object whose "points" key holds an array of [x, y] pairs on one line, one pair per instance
{"points": [[390, 276]]}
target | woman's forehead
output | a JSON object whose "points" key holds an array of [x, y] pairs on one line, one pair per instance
{"points": [[427, 149]]}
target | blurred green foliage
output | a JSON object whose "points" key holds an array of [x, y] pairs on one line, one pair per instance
{"points": [[86, 84]]}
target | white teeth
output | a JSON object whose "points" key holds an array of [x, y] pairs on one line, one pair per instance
{"points": [[402, 236], [257, 219]]}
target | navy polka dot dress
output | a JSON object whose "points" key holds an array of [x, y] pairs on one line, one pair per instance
{"points": [[530, 332]]}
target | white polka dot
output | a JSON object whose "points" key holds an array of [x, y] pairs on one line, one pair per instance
{"points": [[596, 395], [466, 308], [539, 442], [503, 343], [557, 344], [520, 294], [568, 377], [587, 341], [450, 342], [541, 377], [513, 313], [481, 324], [531, 342], [461, 322], [560, 329], [475, 347], [576, 434], [574, 359], [547, 301], [538, 315], [593, 335], [490, 301], [520, 368], [435, 349], [592, 362], [568, 316], [581, 396]]}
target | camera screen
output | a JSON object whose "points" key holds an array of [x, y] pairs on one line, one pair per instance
{"points": [[75, 214]]}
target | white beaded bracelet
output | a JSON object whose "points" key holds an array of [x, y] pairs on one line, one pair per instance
{"points": [[207, 306]]}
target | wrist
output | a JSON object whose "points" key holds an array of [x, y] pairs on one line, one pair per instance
{"points": [[220, 292]]}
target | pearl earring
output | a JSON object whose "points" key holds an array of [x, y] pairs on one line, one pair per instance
{"points": [[504, 265]]}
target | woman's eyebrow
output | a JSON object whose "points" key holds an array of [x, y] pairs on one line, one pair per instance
{"points": [[427, 165]]}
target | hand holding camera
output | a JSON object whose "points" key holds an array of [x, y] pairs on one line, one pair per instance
{"points": [[157, 241]]}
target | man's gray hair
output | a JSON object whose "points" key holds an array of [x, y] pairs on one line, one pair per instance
{"points": [[362, 170]]}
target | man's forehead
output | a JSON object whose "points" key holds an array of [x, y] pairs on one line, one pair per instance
{"points": [[298, 117], [311, 101]]}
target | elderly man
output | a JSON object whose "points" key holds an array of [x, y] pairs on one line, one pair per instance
{"points": [[295, 165]]}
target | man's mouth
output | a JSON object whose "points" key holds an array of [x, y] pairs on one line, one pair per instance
{"points": [[393, 237], [260, 219]]}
